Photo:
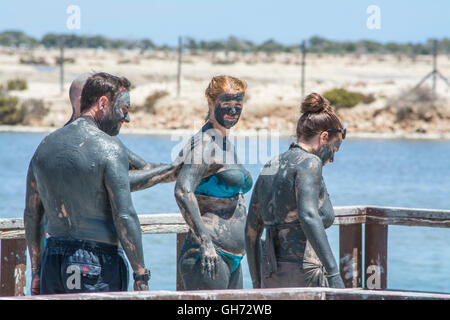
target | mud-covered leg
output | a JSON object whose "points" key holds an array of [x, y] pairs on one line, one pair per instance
{"points": [[194, 279], [236, 279]]}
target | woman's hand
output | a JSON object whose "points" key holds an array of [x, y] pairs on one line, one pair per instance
{"points": [[208, 258]]}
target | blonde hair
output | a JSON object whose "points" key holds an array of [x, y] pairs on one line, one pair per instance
{"points": [[222, 84]]}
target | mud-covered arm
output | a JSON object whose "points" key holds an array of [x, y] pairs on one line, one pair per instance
{"points": [[161, 173], [248, 178], [135, 162], [188, 179], [125, 219], [198, 159], [145, 174], [327, 209], [253, 231], [34, 227], [307, 186]]}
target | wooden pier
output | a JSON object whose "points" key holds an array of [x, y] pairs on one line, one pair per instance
{"points": [[368, 281]]}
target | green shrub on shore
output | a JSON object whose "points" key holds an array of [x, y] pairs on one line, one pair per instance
{"points": [[418, 104], [17, 84], [10, 110], [150, 101], [341, 98], [13, 111], [34, 109]]}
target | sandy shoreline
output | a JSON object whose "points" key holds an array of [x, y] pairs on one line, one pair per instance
{"points": [[273, 95], [238, 133]]}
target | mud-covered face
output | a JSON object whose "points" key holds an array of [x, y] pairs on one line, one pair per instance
{"points": [[114, 116], [327, 151], [228, 109]]}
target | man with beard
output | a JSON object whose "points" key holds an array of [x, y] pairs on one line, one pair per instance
{"points": [[79, 178], [135, 162]]}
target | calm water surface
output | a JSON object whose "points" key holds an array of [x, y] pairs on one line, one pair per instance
{"points": [[413, 174]]}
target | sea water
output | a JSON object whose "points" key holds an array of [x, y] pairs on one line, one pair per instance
{"points": [[399, 173]]}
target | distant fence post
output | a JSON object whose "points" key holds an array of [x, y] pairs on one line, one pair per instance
{"points": [[434, 73], [180, 240], [61, 63], [350, 254], [375, 256], [435, 53], [13, 265], [303, 47], [180, 53]]}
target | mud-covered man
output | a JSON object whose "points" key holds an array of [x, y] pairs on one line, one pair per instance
{"points": [[142, 174], [79, 178]]}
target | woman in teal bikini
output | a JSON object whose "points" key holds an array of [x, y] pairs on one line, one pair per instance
{"points": [[209, 192]]}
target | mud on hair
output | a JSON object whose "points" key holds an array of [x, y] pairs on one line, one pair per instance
{"points": [[101, 84], [317, 116], [222, 84]]}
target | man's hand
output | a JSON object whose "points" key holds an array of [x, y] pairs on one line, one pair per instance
{"points": [[36, 285], [140, 285]]}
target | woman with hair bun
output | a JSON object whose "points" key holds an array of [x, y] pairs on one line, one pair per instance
{"points": [[290, 201], [209, 191]]}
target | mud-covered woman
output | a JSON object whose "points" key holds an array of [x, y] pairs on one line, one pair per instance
{"points": [[290, 201], [209, 191]]}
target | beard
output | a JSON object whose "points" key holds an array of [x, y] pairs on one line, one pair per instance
{"points": [[111, 122], [109, 125]]}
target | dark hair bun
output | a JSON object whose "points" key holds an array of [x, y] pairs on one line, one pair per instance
{"points": [[314, 103]]}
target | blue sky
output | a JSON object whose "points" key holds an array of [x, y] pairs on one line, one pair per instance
{"points": [[288, 22]]}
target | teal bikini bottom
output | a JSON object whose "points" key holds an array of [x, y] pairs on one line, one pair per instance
{"points": [[232, 260]]}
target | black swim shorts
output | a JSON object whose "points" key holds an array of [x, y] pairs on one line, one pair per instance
{"points": [[74, 266]]}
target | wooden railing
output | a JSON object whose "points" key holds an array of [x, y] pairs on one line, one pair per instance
{"points": [[351, 221]]}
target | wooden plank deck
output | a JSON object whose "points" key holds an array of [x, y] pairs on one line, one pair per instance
{"points": [[248, 294]]}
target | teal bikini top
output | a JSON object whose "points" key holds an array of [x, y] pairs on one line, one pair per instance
{"points": [[225, 184]]}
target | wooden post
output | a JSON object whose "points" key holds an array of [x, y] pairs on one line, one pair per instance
{"points": [[303, 69], [435, 53], [180, 239], [375, 256], [350, 254], [180, 53], [13, 265], [61, 63]]}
